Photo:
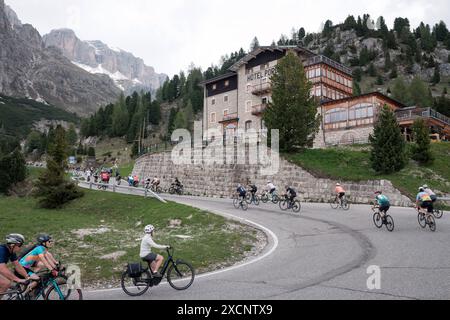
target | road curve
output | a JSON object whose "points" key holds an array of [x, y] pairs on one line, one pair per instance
{"points": [[322, 254]]}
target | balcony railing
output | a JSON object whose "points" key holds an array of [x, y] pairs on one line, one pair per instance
{"points": [[421, 113], [330, 62], [259, 109], [230, 117], [262, 88]]}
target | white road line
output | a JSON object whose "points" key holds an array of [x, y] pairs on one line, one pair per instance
{"points": [[235, 267]]}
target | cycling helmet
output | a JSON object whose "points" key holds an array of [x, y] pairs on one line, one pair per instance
{"points": [[149, 229], [338, 184], [15, 238], [378, 192], [43, 238], [425, 186]]}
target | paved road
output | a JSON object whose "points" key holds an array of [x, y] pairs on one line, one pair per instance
{"points": [[323, 254]]}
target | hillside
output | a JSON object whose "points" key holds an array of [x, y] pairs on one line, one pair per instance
{"points": [[18, 116]]}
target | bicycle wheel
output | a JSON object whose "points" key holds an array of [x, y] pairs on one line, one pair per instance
{"points": [[256, 200], [244, 205], [264, 198], [438, 213], [296, 207], [390, 223], [248, 198], [334, 204], [422, 220], [236, 203], [135, 287], [377, 220], [275, 199], [68, 294], [172, 190], [345, 205], [431, 223], [284, 205], [180, 275]]}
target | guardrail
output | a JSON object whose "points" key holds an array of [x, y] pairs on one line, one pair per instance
{"points": [[116, 189]]}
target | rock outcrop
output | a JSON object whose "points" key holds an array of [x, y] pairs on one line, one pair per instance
{"points": [[28, 69]]}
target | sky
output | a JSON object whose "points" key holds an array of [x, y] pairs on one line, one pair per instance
{"points": [[170, 35]]}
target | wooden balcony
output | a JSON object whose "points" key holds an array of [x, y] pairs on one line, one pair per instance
{"points": [[263, 88], [259, 109]]}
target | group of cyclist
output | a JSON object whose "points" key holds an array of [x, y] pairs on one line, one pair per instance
{"points": [[27, 262], [424, 201]]}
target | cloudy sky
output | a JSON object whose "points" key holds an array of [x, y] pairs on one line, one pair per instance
{"points": [[171, 34]]}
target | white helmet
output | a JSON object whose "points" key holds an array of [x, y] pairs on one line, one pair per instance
{"points": [[149, 229], [338, 184], [15, 238], [425, 186]]}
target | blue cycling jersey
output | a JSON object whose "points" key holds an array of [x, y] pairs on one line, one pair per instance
{"points": [[5, 255], [32, 257]]}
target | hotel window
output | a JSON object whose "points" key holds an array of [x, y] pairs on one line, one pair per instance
{"points": [[225, 112], [329, 74], [262, 67], [333, 76], [350, 83], [317, 72], [227, 83], [214, 87], [225, 99], [213, 101], [318, 91], [213, 117], [360, 111], [336, 115], [248, 106]]}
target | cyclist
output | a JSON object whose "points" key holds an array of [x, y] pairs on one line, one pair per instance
{"points": [[242, 192], [178, 184], [423, 201], [156, 182], [430, 192], [253, 190], [136, 181], [383, 203], [8, 253], [154, 260], [105, 176], [340, 192], [292, 194], [271, 187], [130, 180]]}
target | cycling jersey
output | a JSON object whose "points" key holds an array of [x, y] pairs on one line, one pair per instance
{"points": [[292, 192], [340, 190], [32, 257], [430, 192], [383, 201], [147, 244], [241, 191], [5, 255], [423, 197], [253, 189]]}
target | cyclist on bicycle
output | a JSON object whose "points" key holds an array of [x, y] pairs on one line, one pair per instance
{"points": [[8, 253], [383, 203], [154, 260], [292, 194], [423, 201], [177, 184], [242, 192], [155, 182], [253, 190], [340, 192]]}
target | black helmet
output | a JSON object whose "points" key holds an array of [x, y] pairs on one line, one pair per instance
{"points": [[43, 238]]}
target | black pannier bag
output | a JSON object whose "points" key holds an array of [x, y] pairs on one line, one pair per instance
{"points": [[134, 270]]}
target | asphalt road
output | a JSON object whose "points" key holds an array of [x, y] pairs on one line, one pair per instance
{"points": [[322, 254]]}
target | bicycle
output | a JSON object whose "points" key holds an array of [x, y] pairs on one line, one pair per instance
{"points": [[438, 213], [287, 204], [239, 202], [266, 197], [425, 219], [338, 203], [16, 292], [175, 189], [253, 198], [379, 220], [180, 276]]}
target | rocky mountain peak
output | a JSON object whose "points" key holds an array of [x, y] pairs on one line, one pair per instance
{"points": [[12, 17]]}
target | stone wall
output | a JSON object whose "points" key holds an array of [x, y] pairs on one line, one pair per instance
{"points": [[221, 180]]}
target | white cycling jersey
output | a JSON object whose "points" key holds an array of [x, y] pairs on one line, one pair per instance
{"points": [[270, 186]]}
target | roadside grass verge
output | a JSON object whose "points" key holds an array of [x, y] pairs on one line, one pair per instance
{"points": [[348, 164], [102, 231]]}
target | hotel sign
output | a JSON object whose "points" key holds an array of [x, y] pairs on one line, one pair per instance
{"points": [[262, 74]]}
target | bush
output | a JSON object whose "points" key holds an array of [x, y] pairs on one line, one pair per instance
{"points": [[421, 148], [12, 170]]}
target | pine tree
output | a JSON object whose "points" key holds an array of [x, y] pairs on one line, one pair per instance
{"points": [[436, 76], [120, 118], [393, 73], [72, 136], [420, 94], [401, 92], [388, 147], [293, 111], [255, 44], [52, 189], [421, 148]]}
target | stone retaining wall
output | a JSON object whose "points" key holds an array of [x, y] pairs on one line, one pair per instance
{"points": [[222, 180]]}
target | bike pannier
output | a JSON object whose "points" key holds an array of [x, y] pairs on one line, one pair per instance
{"points": [[134, 270]]}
